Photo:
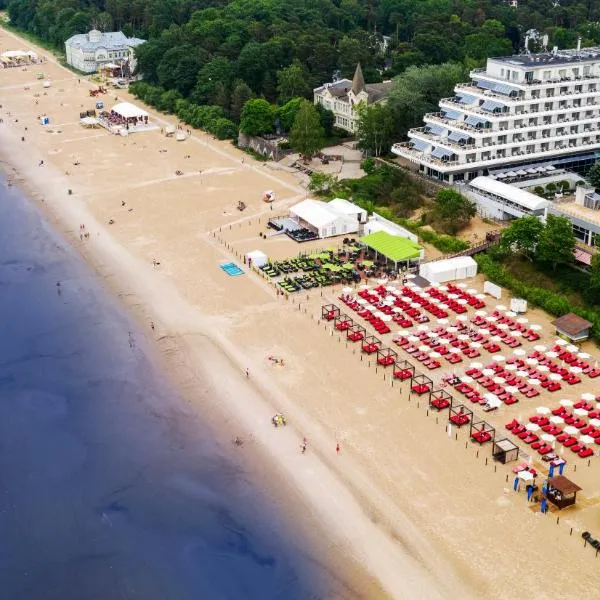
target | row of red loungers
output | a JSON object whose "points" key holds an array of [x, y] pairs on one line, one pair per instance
{"points": [[566, 375], [472, 300], [436, 346], [569, 358], [430, 363], [511, 379], [505, 336], [542, 448], [364, 312], [431, 307], [454, 304]]}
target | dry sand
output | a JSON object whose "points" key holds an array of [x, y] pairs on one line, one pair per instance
{"points": [[421, 512]]}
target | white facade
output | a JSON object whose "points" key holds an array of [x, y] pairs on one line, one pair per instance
{"points": [[517, 111], [452, 269], [88, 52], [378, 223], [325, 220], [343, 97], [498, 200]]}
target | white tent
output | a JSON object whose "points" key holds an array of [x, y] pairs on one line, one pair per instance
{"points": [[129, 111], [460, 267], [257, 258], [349, 208], [322, 218]]}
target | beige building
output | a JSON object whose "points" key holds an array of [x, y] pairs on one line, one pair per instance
{"points": [[343, 96]]}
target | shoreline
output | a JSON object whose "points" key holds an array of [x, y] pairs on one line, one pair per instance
{"points": [[115, 267]]}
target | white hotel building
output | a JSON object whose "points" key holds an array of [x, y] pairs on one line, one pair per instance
{"points": [[520, 110]]}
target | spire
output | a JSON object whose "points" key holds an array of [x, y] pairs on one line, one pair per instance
{"points": [[358, 82]]}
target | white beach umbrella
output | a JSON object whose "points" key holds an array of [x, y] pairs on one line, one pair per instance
{"points": [[522, 374], [533, 381], [386, 318], [542, 410], [480, 313], [397, 310], [424, 348], [488, 372], [483, 331], [571, 430], [580, 412], [531, 361], [522, 320], [415, 305], [362, 301], [381, 281], [434, 355], [466, 379], [586, 439], [572, 348], [511, 389], [453, 296], [476, 345], [461, 285], [390, 288], [364, 287], [557, 420], [498, 358], [548, 437], [443, 321], [551, 354], [535, 327], [410, 276], [475, 365], [480, 296], [496, 338], [452, 329], [379, 314], [511, 367], [511, 313], [595, 422], [502, 325], [588, 397], [540, 348], [575, 370], [526, 476], [561, 342], [471, 291], [543, 368], [423, 327], [499, 380], [500, 307], [435, 301], [454, 350], [554, 377], [517, 334], [566, 402], [347, 290], [462, 318], [532, 427], [434, 284], [413, 339], [491, 319]]}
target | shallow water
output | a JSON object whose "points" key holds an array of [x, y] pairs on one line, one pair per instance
{"points": [[110, 487]]}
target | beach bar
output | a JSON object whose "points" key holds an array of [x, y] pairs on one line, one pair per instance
{"points": [[562, 492], [392, 248], [505, 451], [572, 327]]}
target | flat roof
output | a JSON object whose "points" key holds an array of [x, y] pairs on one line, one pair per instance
{"points": [[394, 247], [563, 485], [509, 192], [547, 59], [317, 213]]}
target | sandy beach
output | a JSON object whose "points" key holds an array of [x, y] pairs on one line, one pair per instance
{"points": [[404, 510]]}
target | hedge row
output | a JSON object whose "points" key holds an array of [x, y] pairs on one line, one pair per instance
{"points": [[551, 302], [444, 243], [209, 118]]}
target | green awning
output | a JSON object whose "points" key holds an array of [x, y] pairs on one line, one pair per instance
{"points": [[393, 247]]}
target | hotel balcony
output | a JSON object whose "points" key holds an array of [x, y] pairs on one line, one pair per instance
{"points": [[473, 90], [535, 82], [416, 156]]}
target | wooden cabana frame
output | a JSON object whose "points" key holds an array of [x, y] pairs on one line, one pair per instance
{"points": [[329, 312], [421, 384], [440, 400], [482, 432], [562, 492], [343, 322], [403, 370], [370, 344], [505, 451], [356, 333], [386, 357], [460, 415]]}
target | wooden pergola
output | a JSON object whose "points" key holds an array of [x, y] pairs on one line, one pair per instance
{"points": [[356, 333], [386, 357], [343, 322], [421, 384], [505, 451], [403, 370], [460, 415], [371, 344], [440, 400], [329, 312], [482, 432]]}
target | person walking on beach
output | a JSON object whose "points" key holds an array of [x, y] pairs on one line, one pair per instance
{"points": [[131, 340], [247, 373], [338, 448], [304, 445], [152, 325]]}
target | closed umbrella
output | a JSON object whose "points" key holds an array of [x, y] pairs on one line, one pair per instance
{"points": [[542, 410], [556, 420]]}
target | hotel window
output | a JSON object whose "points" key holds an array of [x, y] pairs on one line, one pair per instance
{"points": [[576, 72], [587, 71], [578, 89], [549, 93], [534, 108], [562, 73], [535, 94], [546, 75], [530, 148], [574, 129], [548, 105], [545, 147]]}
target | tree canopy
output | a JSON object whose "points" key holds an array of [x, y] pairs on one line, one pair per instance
{"points": [[307, 136], [556, 241], [523, 235], [453, 210]]}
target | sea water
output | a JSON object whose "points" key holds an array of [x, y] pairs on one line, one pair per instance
{"points": [[110, 485]]}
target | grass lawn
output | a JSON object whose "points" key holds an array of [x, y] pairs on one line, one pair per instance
{"points": [[565, 280]]}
